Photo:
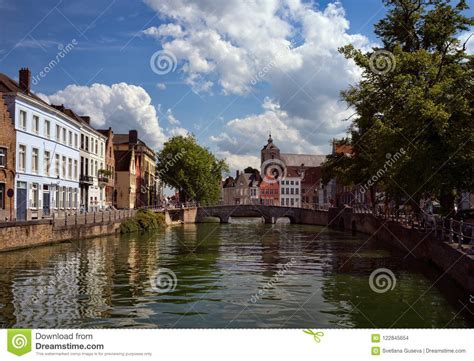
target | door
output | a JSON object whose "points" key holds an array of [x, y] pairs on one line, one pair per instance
{"points": [[21, 205], [46, 202]]}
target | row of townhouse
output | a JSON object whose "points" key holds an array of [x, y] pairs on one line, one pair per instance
{"points": [[287, 180], [53, 161]]}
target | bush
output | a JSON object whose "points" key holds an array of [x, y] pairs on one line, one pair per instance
{"points": [[144, 220]]}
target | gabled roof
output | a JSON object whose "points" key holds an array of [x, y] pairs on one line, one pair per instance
{"points": [[8, 85], [305, 160]]}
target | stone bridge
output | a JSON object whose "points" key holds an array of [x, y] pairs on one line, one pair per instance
{"points": [[269, 213]]}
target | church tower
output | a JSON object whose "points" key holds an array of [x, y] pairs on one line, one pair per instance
{"points": [[270, 150]]}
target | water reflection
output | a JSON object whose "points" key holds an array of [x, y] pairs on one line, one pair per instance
{"points": [[245, 274]]}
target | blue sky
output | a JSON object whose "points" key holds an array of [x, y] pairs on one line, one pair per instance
{"points": [[235, 76]]}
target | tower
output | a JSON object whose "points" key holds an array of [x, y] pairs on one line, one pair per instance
{"points": [[270, 150]]}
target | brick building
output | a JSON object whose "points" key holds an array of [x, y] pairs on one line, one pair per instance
{"points": [[7, 160], [147, 187], [296, 173]]}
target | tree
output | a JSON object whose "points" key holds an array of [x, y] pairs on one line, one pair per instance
{"points": [[416, 95], [192, 169]]}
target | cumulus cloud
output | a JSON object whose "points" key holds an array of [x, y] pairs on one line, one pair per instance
{"points": [[289, 44], [246, 136], [121, 106]]}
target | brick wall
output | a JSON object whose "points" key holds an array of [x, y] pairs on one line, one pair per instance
{"points": [[7, 142]]}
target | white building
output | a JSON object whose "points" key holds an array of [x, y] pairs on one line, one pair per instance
{"points": [[92, 153], [92, 161], [290, 192], [47, 153]]}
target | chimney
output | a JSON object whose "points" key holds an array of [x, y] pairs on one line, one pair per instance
{"points": [[132, 136], [25, 80], [87, 119]]}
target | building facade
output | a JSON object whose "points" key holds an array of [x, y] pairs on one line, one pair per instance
{"points": [[92, 162], [47, 152], [290, 191], [7, 162], [107, 175], [298, 176], [125, 179], [147, 185]]}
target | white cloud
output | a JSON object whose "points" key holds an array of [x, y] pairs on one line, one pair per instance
{"points": [[239, 162], [289, 44], [121, 106], [161, 86], [171, 118]]}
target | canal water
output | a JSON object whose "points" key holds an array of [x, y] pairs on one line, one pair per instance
{"points": [[244, 274]]}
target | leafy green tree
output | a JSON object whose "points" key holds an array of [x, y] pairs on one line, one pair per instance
{"points": [[416, 94], [192, 169]]}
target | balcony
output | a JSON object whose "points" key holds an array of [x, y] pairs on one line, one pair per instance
{"points": [[103, 180], [86, 179]]}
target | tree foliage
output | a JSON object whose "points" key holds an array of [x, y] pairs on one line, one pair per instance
{"points": [[191, 169], [416, 94]]}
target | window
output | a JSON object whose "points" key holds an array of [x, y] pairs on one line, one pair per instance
{"points": [[69, 168], [64, 136], [57, 197], [22, 158], [34, 195], [58, 133], [297, 191], [56, 165], [3, 157], [101, 149], [36, 122], [96, 169], [96, 147], [282, 202], [75, 198], [22, 120], [75, 169], [292, 191], [70, 138], [283, 191], [34, 160], [64, 197], [87, 143], [61, 200], [2, 195], [75, 140], [63, 167], [82, 141], [47, 128], [47, 162], [69, 193]]}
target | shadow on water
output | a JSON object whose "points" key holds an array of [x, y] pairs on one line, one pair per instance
{"points": [[243, 274]]}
